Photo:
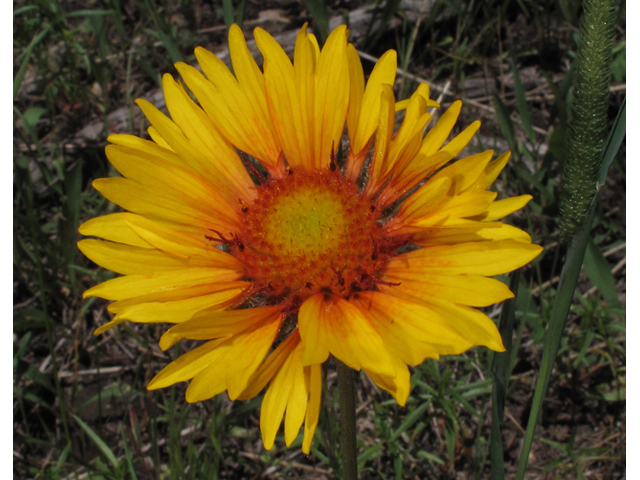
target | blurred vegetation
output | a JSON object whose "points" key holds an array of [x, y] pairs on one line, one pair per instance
{"points": [[81, 409]]}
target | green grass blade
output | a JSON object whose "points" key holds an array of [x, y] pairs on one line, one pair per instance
{"points": [[506, 125], [562, 303], [17, 81], [69, 227], [599, 272], [227, 13], [521, 101], [62, 459], [22, 10], [170, 44], [430, 457], [89, 13], [128, 456], [320, 14], [501, 370], [240, 13], [106, 451], [412, 418], [618, 131]]}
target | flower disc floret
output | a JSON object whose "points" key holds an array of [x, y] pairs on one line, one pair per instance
{"points": [[307, 233]]}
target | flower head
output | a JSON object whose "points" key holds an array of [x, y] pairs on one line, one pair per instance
{"points": [[248, 228]]}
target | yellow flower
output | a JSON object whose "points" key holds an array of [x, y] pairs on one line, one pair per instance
{"points": [[247, 229]]}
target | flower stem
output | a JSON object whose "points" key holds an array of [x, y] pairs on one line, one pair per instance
{"points": [[347, 421]]}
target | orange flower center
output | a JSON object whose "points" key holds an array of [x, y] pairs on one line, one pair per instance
{"points": [[308, 233]]}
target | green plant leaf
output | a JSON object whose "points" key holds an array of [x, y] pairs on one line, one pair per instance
{"points": [[521, 101], [599, 272], [506, 124], [102, 446], [616, 135], [26, 57]]}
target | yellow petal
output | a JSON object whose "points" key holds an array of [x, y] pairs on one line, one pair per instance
{"points": [[410, 176], [461, 140], [187, 366], [441, 130], [411, 330], [146, 310], [493, 170], [504, 207], [276, 399], [232, 370], [208, 325], [271, 366], [313, 374], [356, 92], [423, 91], [241, 109], [187, 154], [108, 326], [232, 112], [181, 241], [422, 202], [456, 207], [247, 71], [168, 181], [212, 157], [478, 258], [297, 390], [472, 324], [465, 173], [305, 60], [384, 136], [471, 231], [136, 285], [331, 324], [289, 111], [472, 290], [220, 364], [447, 327], [398, 386], [407, 141], [383, 73], [157, 138], [331, 98], [153, 202], [142, 145], [297, 402], [128, 260], [115, 228]]}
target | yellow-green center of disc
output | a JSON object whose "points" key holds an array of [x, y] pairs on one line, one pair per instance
{"points": [[305, 223]]}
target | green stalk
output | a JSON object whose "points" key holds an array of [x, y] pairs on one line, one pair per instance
{"points": [[347, 396], [585, 168], [588, 119], [568, 281], [562, 303]]}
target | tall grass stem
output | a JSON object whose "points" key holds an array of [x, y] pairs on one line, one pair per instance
{"points": [[347, 395], [562, 303]]}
